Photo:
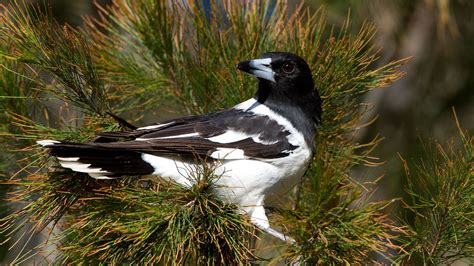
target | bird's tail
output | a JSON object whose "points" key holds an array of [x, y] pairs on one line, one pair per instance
{"points": [[98, 161]]}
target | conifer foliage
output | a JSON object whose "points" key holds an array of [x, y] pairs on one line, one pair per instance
{"points": [[141, 58]]}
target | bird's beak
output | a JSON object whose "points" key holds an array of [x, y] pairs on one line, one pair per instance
{"points": [[259, 68]]}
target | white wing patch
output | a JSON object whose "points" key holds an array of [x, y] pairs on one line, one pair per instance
{"points": [[229, 137], [228, 154], [154, 126], [171, 137], [234, 136]]}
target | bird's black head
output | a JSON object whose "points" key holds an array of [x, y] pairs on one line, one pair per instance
{"points": [[281, 71], [285, 82]]}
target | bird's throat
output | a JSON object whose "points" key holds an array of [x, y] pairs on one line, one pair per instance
{"points": [[264, 90]]}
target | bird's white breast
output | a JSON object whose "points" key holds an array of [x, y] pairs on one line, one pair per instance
{"points": [[277, 176]]}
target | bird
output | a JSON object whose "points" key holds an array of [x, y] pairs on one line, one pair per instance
{"points": [[263, 145]]}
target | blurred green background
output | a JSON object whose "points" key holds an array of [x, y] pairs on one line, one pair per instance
{"points": [[438, 35]]}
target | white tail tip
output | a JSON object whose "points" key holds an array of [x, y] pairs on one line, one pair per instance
{"points": [[47, 142]]}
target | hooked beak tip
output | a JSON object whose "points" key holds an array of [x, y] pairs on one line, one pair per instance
{"points": [[243, 66]]}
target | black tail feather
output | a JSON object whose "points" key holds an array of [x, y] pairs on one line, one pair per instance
{"points": [[103, 162]]}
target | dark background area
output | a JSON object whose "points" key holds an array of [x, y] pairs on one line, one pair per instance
{"points": [[438, 35]]}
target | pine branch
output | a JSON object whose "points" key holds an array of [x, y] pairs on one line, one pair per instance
{"points": [[441, 199], [60, 51]]}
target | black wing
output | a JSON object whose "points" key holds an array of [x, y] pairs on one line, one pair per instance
{"points": [[226, 135], [257, 136]]}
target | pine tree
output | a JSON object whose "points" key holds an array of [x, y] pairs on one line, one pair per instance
{"points": [[145, 60]]}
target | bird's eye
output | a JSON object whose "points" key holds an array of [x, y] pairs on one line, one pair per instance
{"points": [[288, 68]]}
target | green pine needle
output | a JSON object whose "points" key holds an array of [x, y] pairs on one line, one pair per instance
{"points": [[441, 197]]}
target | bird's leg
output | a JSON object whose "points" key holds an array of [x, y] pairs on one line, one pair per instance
{"points": [[260, 220]]}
